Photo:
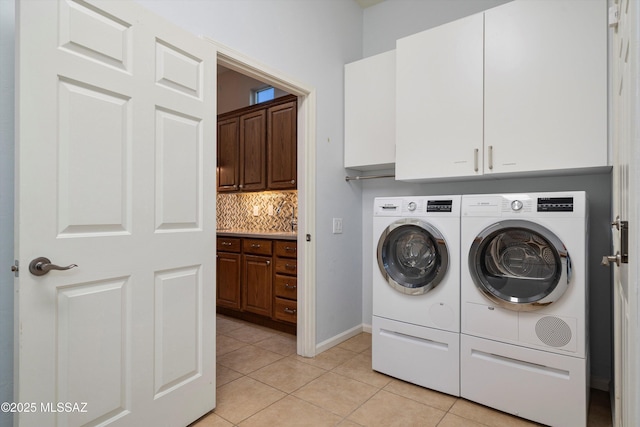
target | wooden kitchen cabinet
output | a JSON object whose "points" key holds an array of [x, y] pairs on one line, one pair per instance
{"points": [[257, 147], [282, 147], [228, 170], [228, 264], [253, 151], [526, 93], [285, 305], [370, 112], [257, 271]]}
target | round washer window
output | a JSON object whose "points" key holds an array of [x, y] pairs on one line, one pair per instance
{"points": [[519, 265], [412, 256]]}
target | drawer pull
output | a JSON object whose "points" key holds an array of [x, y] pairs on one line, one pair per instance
{"points": [[226, 243], [290, 310], [288, 286], [289, 249], [255, 245], [290, 267]]}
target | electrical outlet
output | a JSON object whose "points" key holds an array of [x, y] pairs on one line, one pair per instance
{"points": [[256, 210], [270, 210], [337, 225]]}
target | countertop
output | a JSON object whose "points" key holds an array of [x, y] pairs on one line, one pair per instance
{"points": [[258, 234]]}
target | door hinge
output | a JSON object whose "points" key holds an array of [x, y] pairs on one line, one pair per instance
{"points": [[16, 268], [308, 237]]}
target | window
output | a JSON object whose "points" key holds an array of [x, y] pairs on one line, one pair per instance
{"points": [[264, 95]]}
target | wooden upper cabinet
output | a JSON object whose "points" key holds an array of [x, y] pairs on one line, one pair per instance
{"points": [[228, 154], [282, 146], [257, 147], [252, 151]]}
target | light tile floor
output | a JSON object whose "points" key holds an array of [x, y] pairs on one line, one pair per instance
{"points": [[262, 382]]}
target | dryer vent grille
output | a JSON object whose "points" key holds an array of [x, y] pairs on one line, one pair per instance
{"points": [[553, 331]]}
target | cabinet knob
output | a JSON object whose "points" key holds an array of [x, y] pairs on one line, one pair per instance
{"points": [[293, 181], [268, 262], [240, 186]]}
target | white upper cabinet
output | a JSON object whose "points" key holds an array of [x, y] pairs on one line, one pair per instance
{"points": [[520, 88], [370, 113], [439, 101], [545, 102]]}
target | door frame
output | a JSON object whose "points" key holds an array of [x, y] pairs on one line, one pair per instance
{"points": [[236, 61]]}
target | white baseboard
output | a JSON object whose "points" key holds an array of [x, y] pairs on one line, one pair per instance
{"points": [[334, 341]]}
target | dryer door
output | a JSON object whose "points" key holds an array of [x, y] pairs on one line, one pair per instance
{"points": [[520, 265], [413, 256]]}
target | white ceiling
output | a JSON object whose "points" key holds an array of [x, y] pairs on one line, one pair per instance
{"points": [[366, 3]]}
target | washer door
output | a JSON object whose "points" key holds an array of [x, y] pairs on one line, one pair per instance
{"points": [[520, 265], [413, 256]]}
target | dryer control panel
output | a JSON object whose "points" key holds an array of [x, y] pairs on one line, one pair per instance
{"points": [[555, 204]]}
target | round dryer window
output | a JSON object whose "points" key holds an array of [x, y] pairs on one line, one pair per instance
{"points": [[520, 265], [412, 256]]}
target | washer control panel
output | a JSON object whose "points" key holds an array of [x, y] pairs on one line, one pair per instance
{"points": [[555, 204]]}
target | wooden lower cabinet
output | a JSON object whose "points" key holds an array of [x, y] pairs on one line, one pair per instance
{"points": [[256, 284], [256, 281]]}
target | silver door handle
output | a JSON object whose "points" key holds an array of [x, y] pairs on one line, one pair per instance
{"points": [[608, 259], [41, 266]]}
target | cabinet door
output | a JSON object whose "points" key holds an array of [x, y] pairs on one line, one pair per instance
{"points": [[282, 144], [228, 154], [546, 85], [370, 112], [252, 151], [228, 280], [439, 101], [256, 284]]}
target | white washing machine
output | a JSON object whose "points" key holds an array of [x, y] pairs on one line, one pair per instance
{"points": [[416, 290], [524, 305]]}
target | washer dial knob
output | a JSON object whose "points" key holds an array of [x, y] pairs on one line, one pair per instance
{"points": [[516, 205], [411, 206]]}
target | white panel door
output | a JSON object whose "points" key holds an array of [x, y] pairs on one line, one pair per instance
{"points": [[439, 101], [545, 93], [626, 140], [115, 173]]}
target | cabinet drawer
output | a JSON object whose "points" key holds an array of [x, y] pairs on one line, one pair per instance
{"points": [[286, 249], [286, 287], [228, 244], [286, 310], [287, 266], [257, 246]]}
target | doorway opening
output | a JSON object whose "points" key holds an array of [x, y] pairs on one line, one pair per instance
{"points": [[306, 141]]}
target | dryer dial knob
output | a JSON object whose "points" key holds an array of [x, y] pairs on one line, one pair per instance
{"points": [[516, 205], [411, 206]]}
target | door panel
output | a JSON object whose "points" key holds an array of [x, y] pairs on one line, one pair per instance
{"points": [[116, 116]]}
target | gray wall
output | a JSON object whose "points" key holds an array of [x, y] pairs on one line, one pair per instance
{"points": [[7, 10], [393, 19]]}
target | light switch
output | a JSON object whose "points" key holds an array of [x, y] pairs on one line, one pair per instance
{"points": [[337, 225]]}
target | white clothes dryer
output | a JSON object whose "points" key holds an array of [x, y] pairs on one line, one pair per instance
{"points": [[416, 290], [524, 308]]}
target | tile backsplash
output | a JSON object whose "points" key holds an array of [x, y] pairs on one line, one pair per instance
{"points": [[273, 208]]}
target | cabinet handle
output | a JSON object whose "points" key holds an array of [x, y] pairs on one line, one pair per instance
{"points": [[268, 262], [491, 157], [289, 249], [475, 160], [293, 181], [290, 267], [290, 310], [226, 243], [240, 186], [288, 286], [255, 245]]}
